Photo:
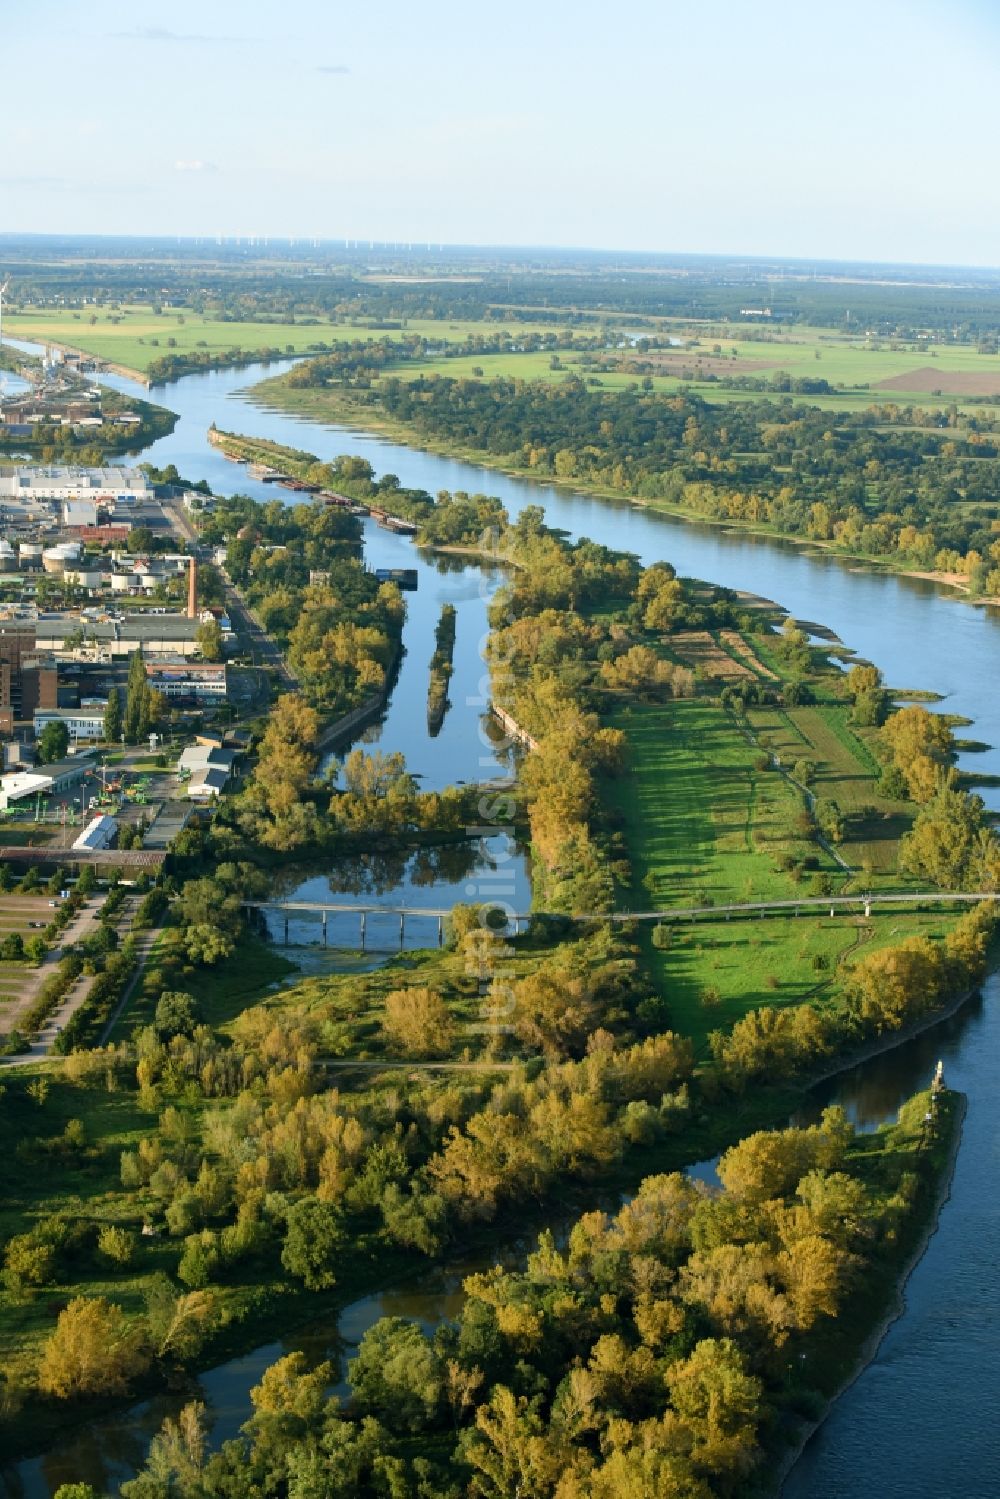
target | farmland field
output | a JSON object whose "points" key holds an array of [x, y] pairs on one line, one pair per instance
{"points": [[863, 372], [140, 336]]}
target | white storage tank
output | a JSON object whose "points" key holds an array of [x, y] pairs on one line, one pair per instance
{"points": [[56, 559]]}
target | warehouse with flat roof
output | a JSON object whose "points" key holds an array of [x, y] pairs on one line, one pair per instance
{"points": [[153, 634], [56, 482], [98, 834]]}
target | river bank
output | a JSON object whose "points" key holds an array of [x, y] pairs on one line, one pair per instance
{"points": [[329, 406], [922, 1230], [272, 1307], [910, 1411]]}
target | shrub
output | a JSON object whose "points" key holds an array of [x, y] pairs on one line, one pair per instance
{"points": [[117, 1245]]}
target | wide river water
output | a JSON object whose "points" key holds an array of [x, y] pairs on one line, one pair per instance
{"points": [[917, 1422]]}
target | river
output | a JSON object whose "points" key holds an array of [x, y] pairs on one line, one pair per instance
{"points": [[916, 1423]]}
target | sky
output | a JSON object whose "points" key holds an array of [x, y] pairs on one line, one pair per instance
{"points": [[856, 131]]}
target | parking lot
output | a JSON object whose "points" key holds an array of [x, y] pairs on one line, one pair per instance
{"points": [[27, 915]]}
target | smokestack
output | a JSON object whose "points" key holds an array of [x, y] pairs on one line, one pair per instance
{"points": [[192, 609]]}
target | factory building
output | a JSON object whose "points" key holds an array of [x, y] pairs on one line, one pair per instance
{"points": [[18, 785], [197, 681], [79, 513], [17, 642], [61, 483], [98, 834], [153, 634]]}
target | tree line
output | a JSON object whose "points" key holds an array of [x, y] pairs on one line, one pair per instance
{"points": [[870, 482]]}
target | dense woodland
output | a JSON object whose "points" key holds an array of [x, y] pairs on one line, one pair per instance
{"points": [[663, 1350], [877, 483]]}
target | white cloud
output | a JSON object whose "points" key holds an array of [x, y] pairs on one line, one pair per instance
{"points": [[195, 166]]}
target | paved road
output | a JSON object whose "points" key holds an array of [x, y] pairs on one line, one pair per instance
{"points": [[41, 1046], [260, 645], [262, 648], [83, 923]]}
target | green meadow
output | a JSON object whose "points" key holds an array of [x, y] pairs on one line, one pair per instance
{"points": [[714, 972], [708, 819], [136, 336]]}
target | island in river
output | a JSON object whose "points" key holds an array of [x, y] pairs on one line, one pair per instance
{"points": [[567, 1059]]}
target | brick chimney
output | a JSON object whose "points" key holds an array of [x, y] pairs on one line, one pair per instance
{"points": [[192, 608]]}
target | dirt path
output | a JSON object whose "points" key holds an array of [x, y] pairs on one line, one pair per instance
{"points": [[145, 942]]}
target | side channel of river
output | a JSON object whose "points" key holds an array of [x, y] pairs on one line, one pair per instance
{"points": [[915, 1423]]}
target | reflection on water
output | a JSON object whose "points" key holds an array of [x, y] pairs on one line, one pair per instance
{"points": [[872, 1093], [430, 879], [918, 1422], [109, 1451]]}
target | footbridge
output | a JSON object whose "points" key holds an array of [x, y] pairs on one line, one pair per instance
{"points": [[865, 905], [327, 910]]}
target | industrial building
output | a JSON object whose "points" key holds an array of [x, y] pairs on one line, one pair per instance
{"points": [[193, 681], [208, 783], [209, 770], [153, 634], [83, 724], [98, 834], [18, 785], [127, 485], [24, 684]]}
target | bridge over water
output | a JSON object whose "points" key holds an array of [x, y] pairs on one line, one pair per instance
{"points": [[866, 905]]}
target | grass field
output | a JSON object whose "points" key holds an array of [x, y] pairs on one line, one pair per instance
{"points": [[129, 342], [706, 822], [856, 365], [844, 772], [703, 823], [765, 962], [931, 376]]}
